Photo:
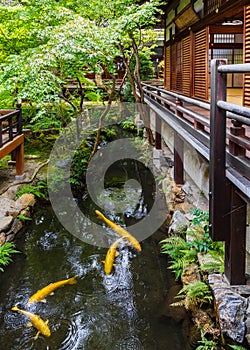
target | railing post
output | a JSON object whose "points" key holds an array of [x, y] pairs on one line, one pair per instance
{"points": [[236, 130], [157, 132], [178, 102], [178, 159], [19, 119], [219, 207], [198, 126], [235, 246], [178, 152], [158, 94], [227, 210]]}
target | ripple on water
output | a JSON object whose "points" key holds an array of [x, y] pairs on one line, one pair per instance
{"points": [[48, 240], [131, 343], [70, 329], [13, 320]]}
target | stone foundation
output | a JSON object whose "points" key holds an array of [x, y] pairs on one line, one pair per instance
{"points": [[13, 214]]}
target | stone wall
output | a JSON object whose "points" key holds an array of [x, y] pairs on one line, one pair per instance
{"points": [[13, 214]]}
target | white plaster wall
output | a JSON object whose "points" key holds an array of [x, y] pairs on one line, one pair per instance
{"points": [[194, 164], [198, 169]]}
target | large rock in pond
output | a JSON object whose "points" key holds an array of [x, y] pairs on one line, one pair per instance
{"points": [[26, 200]]}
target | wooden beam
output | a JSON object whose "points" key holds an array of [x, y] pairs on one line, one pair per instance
{"points": [[10, 146], [226, 29]]}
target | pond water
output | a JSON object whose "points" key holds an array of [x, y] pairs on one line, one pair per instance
{"points": [[118, 311]]}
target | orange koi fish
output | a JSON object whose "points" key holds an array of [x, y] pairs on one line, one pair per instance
{"points": [[42, 293], [35, 321], [121, 231]]}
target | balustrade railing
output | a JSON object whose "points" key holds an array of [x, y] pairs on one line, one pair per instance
{"points": [[10, 125]]}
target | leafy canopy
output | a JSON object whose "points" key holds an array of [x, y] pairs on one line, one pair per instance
{"points": [[44, 43]]}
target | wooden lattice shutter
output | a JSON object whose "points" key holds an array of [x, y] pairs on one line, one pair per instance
{"points": [[167, 68], [246, 94], [201, 64], [178, 59], [186, 66], [173, 66]]}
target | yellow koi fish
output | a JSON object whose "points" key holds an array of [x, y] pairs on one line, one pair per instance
{"points": [[121, 231], [42, 293], [110, 257], [36, 322]]}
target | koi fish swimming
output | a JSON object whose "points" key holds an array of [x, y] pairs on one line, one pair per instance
{"points": [[42, 293], [121, 231], [110, 256], [35, 321]]}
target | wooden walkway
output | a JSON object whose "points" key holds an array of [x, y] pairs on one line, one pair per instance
{"points": [[219, 131], [12, 138]]}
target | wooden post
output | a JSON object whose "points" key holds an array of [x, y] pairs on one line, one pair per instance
{"points": [[178, 151], [158, 94], [20, 159], [235, 246], [219, 203], [157, 132], [178, 103], [178, 159]]}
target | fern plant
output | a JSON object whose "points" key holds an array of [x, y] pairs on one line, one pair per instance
{"points": [[216, 264], [180, 253], [5, 254], [194, 295], [39, 190], [206, 344]]}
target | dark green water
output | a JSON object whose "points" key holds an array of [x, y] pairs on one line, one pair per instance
{"points": [[119, 311]]}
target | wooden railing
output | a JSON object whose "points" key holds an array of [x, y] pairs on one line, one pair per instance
{"points": [[11, 137], [221, 135], [10, 125]]}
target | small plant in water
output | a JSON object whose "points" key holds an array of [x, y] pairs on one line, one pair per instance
{"points": [[5, 254]]}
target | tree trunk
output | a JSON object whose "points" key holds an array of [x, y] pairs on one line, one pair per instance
{"points": [[103, 115]]}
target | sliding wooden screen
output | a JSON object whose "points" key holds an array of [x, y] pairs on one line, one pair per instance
{"points": [[186, 66], [201, 64], [173, 67], [167, 68], [246, 92]]}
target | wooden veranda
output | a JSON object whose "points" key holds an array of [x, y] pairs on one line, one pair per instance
{"points": [[12, 138], [219, 131]]}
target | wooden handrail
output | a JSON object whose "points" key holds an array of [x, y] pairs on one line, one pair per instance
{"points": [[10, 125]]}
